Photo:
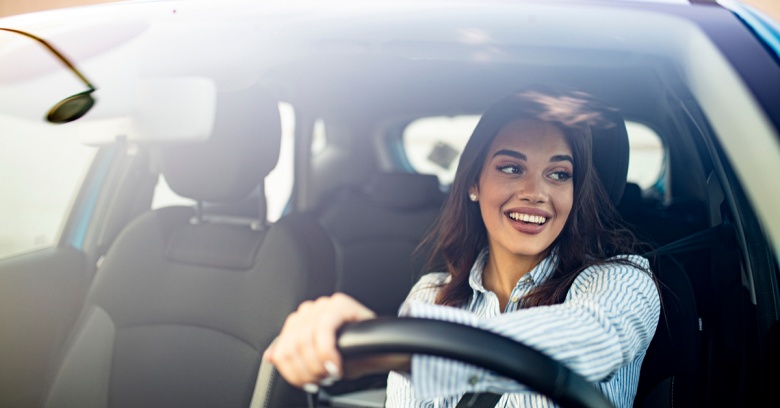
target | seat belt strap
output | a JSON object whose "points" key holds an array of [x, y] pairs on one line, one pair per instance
{"points": [[478, 400], [722, 233]]}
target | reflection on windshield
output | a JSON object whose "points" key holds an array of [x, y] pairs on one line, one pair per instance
{"points": [[72, 107]]}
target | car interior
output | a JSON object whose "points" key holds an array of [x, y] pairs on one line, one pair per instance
{"points": [[183, 299], [689, 361], [354, 228]]}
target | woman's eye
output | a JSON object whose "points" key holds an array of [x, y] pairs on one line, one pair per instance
{"points": [[561, 175], [509, 169]]}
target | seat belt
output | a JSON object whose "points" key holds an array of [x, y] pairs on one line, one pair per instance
{"points": [[700, 240], [478, 400]]}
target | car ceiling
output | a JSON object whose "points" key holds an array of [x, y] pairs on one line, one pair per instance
{"points": [[392, 86]]}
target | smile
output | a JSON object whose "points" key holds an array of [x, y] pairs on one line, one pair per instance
{"points": [[527, 218]]}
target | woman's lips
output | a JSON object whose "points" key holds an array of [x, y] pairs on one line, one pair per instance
{"points": [[528, 220]]}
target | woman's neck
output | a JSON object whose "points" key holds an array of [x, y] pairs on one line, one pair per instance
{"points": [[503, 271]]}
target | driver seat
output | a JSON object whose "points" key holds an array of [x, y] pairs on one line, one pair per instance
{"points": [[669, 374]]}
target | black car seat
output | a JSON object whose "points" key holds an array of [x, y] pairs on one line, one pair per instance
{"points": [[671, 373], [376, 228], [186, 301]]}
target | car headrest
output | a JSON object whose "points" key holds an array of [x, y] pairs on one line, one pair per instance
{"points": [[404, 191], [234, 161], [610, 155]]}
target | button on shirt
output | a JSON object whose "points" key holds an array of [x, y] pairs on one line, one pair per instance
{"points": [[601, 331]]}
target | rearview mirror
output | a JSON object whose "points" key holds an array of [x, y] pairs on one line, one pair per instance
{"points": [[162, 111]]}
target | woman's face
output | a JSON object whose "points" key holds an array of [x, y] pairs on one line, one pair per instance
{"points": [[526, 188]]}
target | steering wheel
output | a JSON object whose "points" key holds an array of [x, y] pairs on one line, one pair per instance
{"points": [[471, 345]]}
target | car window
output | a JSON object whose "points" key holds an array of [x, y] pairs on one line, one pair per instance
{"points": [[278, 183], [646, 155], [432, 145], [41, 169]]}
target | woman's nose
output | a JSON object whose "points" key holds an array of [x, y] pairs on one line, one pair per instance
{"points": [[532, 189]]}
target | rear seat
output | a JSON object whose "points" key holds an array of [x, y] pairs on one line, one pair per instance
{"points": [[375, 228]]}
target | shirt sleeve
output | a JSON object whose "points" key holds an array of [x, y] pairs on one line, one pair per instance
{"points": [[606, 321]]}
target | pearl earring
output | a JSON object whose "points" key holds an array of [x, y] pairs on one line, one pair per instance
{"points": [[473, 197]]}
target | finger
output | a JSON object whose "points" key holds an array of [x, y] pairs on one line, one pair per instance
{"points": [[290, 360], [292, 370], [310, 360], [325, 348], [283, 351], [344, 309], [295, 355], [270, 349]]}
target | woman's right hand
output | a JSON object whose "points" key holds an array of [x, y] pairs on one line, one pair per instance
{"points": [[305, 352]]}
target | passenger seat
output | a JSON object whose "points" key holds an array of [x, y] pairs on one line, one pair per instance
{"points": [[186, 301]]}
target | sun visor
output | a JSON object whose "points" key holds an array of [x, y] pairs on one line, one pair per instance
{"points": [[165, 110]]}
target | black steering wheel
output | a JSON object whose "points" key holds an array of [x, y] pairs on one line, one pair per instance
{"points": [[471, 345]]}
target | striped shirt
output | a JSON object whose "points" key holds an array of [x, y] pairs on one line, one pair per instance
{"points": [[601, 331]]}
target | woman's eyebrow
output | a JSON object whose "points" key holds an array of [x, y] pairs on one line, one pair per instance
{"points": [[562, 157], [511, 153], [521, 156]]}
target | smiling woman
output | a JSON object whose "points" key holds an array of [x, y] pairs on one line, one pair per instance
{"points": [[527, 223]]}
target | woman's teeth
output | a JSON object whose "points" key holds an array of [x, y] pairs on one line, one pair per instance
{"points": [[534, 219]]}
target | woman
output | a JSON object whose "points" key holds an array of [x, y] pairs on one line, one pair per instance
{"points": [[533, 251]]}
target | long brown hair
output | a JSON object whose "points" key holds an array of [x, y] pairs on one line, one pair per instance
{"points": [[592, 234]]}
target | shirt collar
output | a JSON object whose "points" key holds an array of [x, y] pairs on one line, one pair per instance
{"points": [[538, 274]]}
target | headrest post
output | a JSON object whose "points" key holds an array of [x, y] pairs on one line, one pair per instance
{"points": [[262, 210]]}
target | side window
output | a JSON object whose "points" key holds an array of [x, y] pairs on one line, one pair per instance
{"points": [[647, 155], [278, 184], [433, 145], [41, 169]]}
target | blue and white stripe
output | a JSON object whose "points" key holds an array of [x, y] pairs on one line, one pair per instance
{"points": [[601, 331]]}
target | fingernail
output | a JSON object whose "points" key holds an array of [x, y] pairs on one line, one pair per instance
{"points": [[333, 371], [333, 374], [311, 388], [327, 381]]}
